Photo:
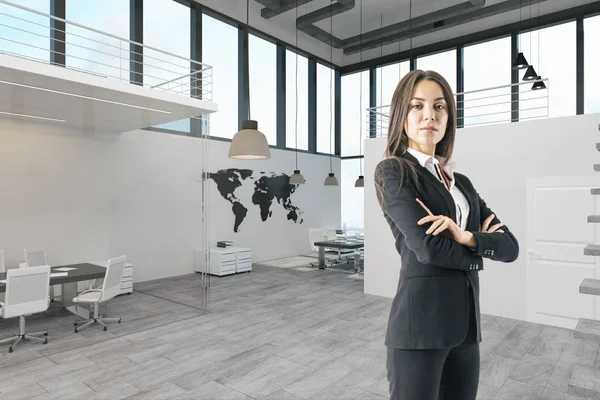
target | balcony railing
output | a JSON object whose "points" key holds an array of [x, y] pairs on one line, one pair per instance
{"points": [[487, 106], [33, 35]]}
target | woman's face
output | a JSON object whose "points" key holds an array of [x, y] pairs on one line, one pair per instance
{"points": [[427, 117]]}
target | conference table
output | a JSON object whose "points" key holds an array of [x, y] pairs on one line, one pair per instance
{"points": [[68, 281], [348, 244]]}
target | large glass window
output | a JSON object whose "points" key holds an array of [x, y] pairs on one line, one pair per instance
{"points": [[353, 202], [220, 50], [591, 78], [353, 107], [167, 27], [25, 33], [325, 109], [487, 65], [93, 52], [262, 62], [442, 63], [388, 78], [290, 100], [552, 51]]}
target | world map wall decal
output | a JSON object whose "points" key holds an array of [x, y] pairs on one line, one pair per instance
{"points": [[268, 187]]}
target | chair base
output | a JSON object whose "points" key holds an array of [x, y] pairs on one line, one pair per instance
{"points": [[80, 325], [29, 336]]}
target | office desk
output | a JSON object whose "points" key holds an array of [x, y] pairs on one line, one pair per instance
{"points": [[351, 244], [84, 272]]}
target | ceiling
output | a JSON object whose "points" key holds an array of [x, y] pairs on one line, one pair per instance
{"points": [[33, 92], [431, 21]]}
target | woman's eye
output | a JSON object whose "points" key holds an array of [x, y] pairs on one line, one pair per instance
{"points": [[440, 107], [416, 106]]}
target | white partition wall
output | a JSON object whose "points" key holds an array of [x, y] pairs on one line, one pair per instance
{"points": [[500, 160]]}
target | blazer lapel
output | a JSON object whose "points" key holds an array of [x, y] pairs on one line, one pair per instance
{"points": [[472, 205], [444, 193]]}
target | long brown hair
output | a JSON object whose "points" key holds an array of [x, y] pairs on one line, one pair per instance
{"points": [[397, 139]]}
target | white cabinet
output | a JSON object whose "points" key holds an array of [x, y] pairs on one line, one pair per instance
{"points": [[127, 279], [225, 261]]}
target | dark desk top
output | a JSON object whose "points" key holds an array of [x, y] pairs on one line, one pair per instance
{"points": [[341, 244], [84, 272]]}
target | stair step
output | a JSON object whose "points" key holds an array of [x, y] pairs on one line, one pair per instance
{"points": [[593, 218], [597, 167], [585, 382], [590, 286], [595, 191], [587, 329], [591, 250]]}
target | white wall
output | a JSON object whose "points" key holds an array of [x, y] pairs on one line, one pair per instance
{"points": [[498, 159], [88, 197]]}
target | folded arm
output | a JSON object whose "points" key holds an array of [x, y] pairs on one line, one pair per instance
{"points": [[400, 205]]}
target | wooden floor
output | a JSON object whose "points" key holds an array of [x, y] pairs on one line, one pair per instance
{"points": [[274, 333]]}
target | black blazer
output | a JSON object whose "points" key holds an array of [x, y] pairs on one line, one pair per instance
{"points": [[431, 306]]}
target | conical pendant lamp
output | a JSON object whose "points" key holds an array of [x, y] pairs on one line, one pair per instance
{"points": [[538, 85], [530, 74], [360, 182], [249, 143], [331, 180], [296, 178]]}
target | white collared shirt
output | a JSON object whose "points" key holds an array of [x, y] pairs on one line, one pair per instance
{"points": [[432, 165]]}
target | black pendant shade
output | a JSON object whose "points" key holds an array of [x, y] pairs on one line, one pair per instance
{"points": [[530, 74], [520, 62], [539, 84]]}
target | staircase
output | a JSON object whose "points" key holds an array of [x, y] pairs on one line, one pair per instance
{"points": [[586, 381]]}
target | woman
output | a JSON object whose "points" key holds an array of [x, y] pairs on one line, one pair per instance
{"points": [[443, 229]]}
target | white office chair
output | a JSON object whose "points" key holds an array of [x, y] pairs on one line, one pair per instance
{"points": [[343, 255], [26, 293], [34, 257], [110, 287]]}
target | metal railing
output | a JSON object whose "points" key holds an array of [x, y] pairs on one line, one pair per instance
{"points": [[31, 34], [481, 107]]}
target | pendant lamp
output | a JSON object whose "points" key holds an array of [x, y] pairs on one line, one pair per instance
{"points": [[249, 143], [360, 182], [331, 180], [539, 84], [520, 62], [296, 178]]}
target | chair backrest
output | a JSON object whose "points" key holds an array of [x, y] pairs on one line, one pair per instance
{"points": [[35, 256], [27, 291], [2, 267], [315, 235], [331, 234], [112, 279]]}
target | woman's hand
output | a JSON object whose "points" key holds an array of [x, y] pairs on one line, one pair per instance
{"points": [[442, 224], [486, 223]]}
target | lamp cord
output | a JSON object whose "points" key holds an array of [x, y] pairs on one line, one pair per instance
{"points": [[296, 119], [330, 80], [247, 66]]}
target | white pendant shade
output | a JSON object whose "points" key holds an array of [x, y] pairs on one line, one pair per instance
{"points": [[331, 180], [297, 178], [249, 143], [360, 182]]}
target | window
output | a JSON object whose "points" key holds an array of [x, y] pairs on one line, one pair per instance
{"points": [[353, 107], [31, 40], [388, 78], [325, 109], [487, 65], [93, 52], [220, 50], [591, 28], [442, 63], [262, 62], [552, 52], [290, 101], [167, 26], [353, 214]]}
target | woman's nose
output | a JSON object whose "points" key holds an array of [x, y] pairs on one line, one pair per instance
{"points": [[428, 113]]}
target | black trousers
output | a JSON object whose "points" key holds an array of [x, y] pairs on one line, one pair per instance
{"points": [[436, 374]]}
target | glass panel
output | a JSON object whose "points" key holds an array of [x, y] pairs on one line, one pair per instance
{"points": [[24, 33], [353, 202], [325, 109], [159, 67], [290, 102], [388, 78], [220, 50], [442, 63], [93, 52], [591, 77], [262, 61], [555, 59], [487, 65], [353, 107]]}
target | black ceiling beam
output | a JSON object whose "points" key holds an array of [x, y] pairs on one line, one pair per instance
{"points": [[477, 37], [276, 7]]}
